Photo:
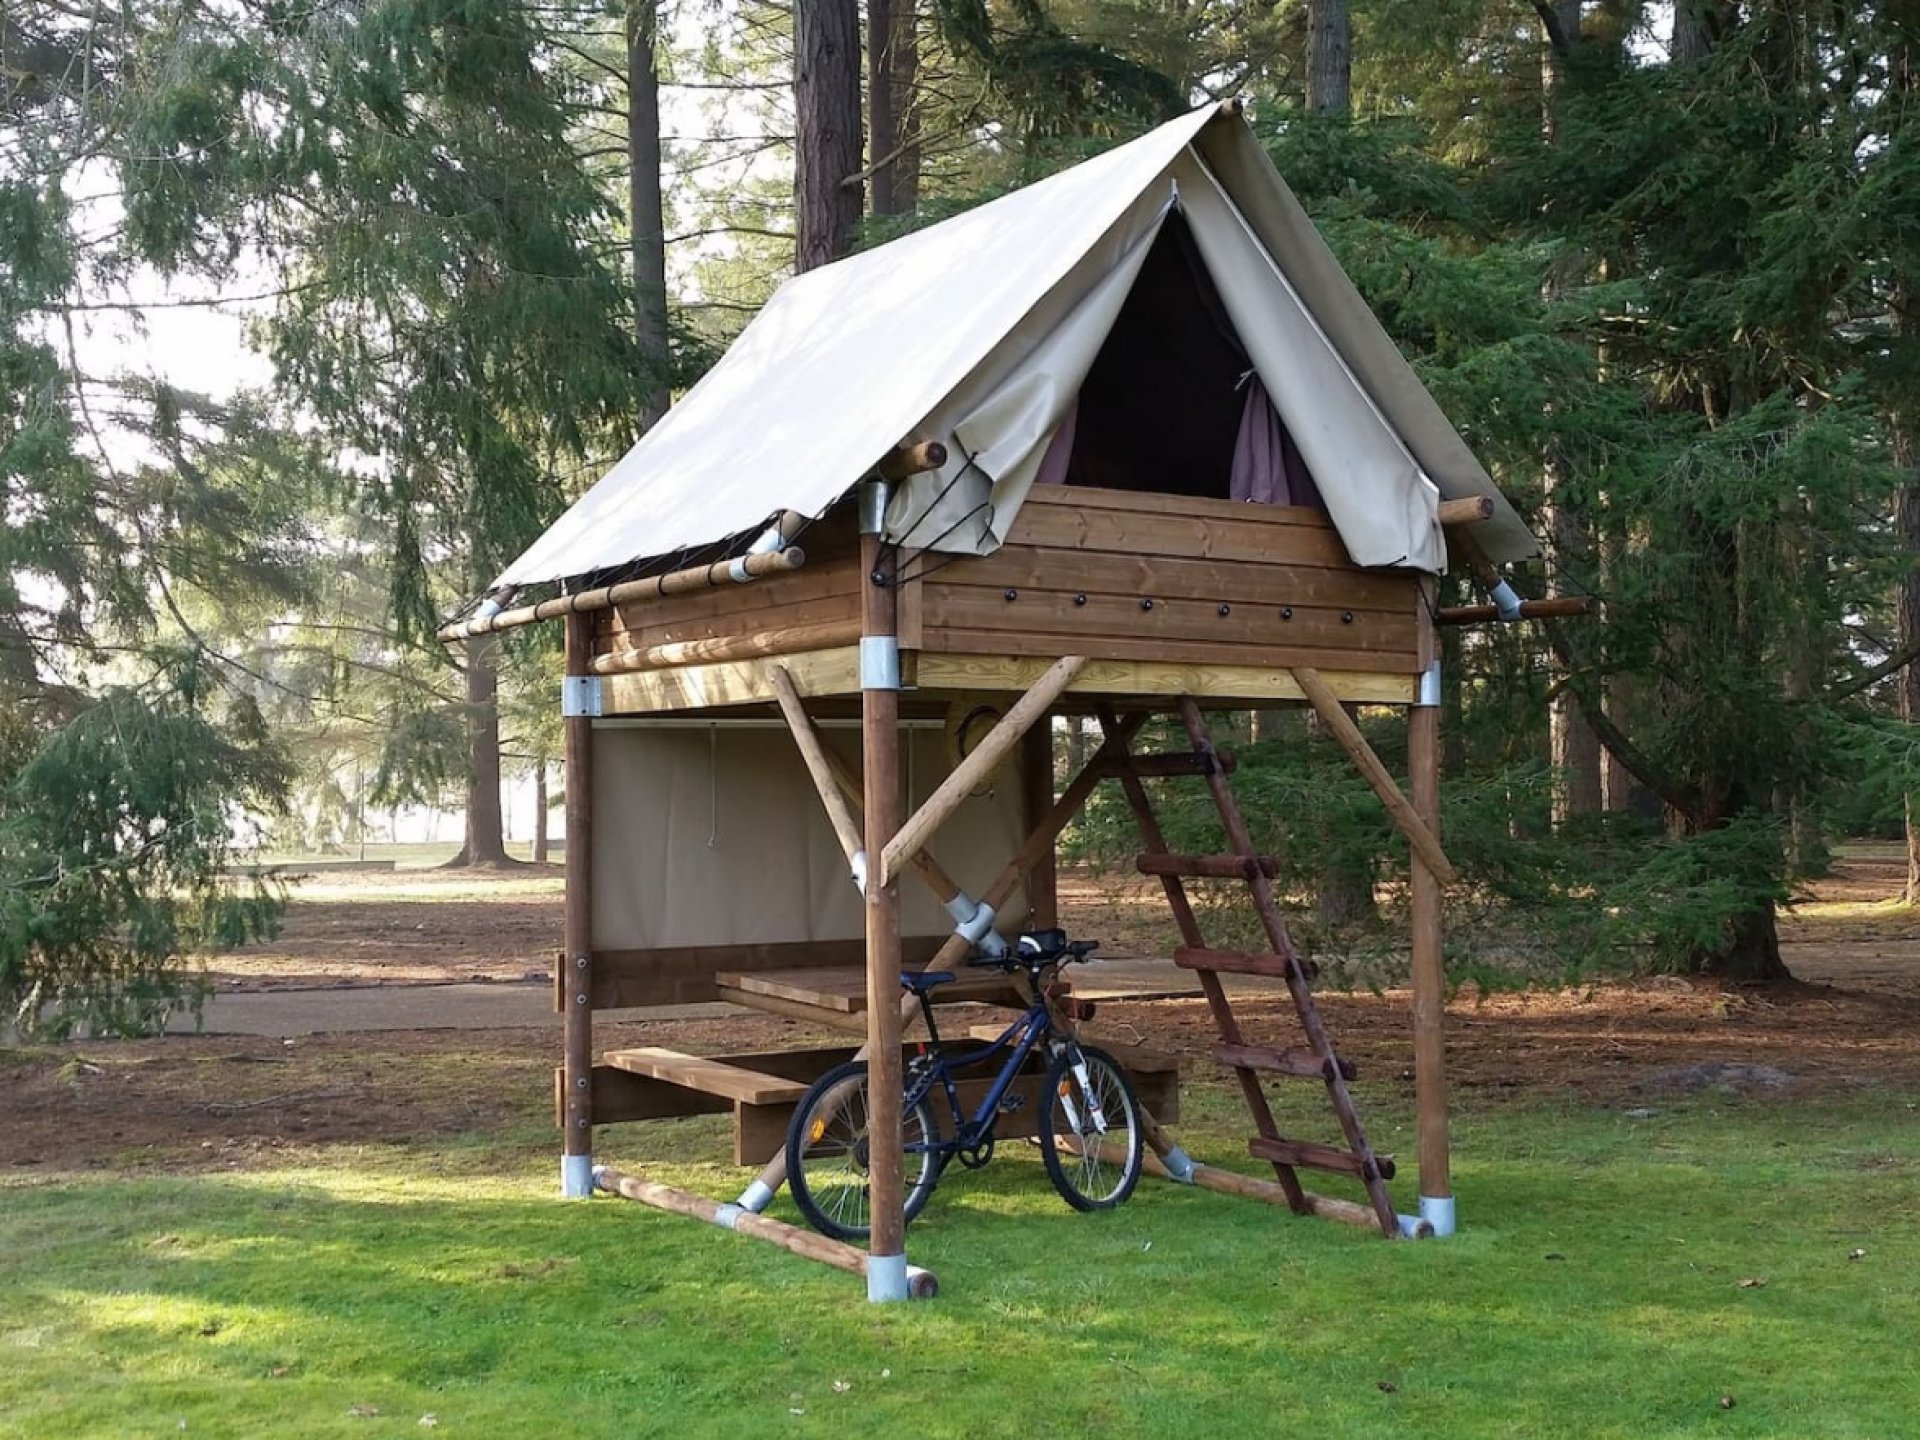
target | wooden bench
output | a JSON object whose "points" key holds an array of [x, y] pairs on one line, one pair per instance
{"points": [[761, 1090]]}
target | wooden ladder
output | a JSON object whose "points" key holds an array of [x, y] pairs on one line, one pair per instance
{"points": [[1249, 1062]]}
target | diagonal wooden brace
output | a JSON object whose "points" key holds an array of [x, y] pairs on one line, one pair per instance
{"points": [[971, 772], [1334, 716], [846, 827]]}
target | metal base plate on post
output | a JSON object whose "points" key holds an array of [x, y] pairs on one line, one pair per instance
{"points": [[1438, 1211], [886, 1277], [576, 1177]]}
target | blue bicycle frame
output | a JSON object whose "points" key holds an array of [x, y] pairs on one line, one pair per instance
{"points": [[1021, 1038]]}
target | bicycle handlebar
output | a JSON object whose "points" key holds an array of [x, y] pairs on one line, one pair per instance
{"points": [[1072, 952]]}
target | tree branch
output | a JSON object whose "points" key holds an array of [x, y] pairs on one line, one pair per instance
{"points": [[1872, 675]]}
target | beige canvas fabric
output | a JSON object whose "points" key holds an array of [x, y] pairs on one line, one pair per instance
{"points": [[978, 331], [720, 838]]}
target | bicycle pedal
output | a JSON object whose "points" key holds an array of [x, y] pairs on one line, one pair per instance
{"points": [[1011, 1103]]}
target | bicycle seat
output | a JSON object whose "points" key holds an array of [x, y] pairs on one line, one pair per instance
{"points": [[922, 981]]}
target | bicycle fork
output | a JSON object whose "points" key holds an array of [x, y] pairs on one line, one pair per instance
{"points": [[1094, 1110]]}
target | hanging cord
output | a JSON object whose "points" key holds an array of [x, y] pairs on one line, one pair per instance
{"points": [[895, 547], [713, 785]]}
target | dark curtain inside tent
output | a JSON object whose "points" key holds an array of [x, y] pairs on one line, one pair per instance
{"points": [[1172, 405]]}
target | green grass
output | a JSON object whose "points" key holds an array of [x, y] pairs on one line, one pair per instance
{"points": [[1595, 1293]]}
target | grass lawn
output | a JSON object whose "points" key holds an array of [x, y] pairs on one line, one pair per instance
{"points": [[1596, 1292]]}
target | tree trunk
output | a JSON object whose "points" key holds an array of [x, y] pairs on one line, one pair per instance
{"points": [[1575, 748], [1697, 26], [1329, 57], [893, 111], [486, 842], [883, 125], [1904, 68], [646, 216], [1751, 955], [1907, 525], [906, 106], [826, 114], [540, 813]]}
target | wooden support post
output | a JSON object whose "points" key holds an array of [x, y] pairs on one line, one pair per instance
{"points": [[880, 746], [1036, 787], [576, 1164], [1334, 716], [972, 771], [1429, 968], [814, 753], [921, 1284]]}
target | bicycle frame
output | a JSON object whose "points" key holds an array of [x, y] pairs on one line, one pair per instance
{"points": [[1020, 1038]]}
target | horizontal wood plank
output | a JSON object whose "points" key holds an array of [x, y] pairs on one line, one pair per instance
{"points": [[706, 1075], [1294, 628], [1163, 651], [975, 672], [1237, 962], [735, 682], [1316, 1157], [1094, 497], [1195, 537], [1060, 568], [1287, 1061]]}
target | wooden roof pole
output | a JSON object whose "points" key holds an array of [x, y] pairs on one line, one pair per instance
{"points": [[718, 649], [628, 592], [972, 771], [1334, 716]]}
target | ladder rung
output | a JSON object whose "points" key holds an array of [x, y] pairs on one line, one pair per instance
{"points": [[1239, 962], [1179, 764], [1290, 1061], [1305, 1154], [1207, 867]]}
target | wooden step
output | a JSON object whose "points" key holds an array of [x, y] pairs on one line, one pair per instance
{"points": [[1305, 1154], [1179, 764], [1207, 867], [1239, 962], [1290, 1061], [707, 1076]]}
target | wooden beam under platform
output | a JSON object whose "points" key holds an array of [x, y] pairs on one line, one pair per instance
{"points": [[835, 672]]}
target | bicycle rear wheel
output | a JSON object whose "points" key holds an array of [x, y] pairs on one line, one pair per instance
{"points": [[827, 1154], [1092, 1139]]}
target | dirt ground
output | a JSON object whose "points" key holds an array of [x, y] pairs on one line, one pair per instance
{"points": [[200, 1103]]}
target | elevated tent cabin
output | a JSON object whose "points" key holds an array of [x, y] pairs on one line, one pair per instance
{"points": [[1125, 441]]}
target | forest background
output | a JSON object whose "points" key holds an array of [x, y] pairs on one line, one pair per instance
{"points": [[1658, 262]]}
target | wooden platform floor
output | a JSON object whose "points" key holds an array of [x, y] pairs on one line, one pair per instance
{"points": [[837, 995]]}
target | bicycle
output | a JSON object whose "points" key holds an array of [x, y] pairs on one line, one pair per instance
{"points": [[1090, 1136]]}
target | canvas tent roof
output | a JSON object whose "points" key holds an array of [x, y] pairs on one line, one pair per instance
{"points": [[978, 332]]}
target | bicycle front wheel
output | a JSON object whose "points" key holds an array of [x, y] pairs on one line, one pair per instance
{"points": [[1091, 1140], [828, 1152]]}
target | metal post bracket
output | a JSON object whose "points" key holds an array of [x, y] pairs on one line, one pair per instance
{"points": [[582, 696]]}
